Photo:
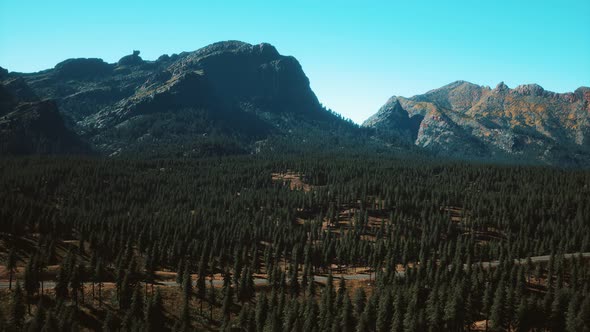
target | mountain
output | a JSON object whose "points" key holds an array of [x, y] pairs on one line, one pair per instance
{"points": [[469, 121], [228, 97], [29, 125]]}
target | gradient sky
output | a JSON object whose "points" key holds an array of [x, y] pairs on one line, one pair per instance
{"points": [[356, 53]]}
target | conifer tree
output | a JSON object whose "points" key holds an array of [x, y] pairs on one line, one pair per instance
{"points": [[359, 300], [246, 286], [136, 310], [99, 275], [347, 319], [497, 317], [187, 283], [227, 297], [51, 324], [311, 316], [75, 284], [38, 318], [16, 317], [583, 319], [11, 265], [109, 322], [384, 312], [155, 318], [3, 325], [31, 281], [261, 311], [202, 282], [212, 297]]}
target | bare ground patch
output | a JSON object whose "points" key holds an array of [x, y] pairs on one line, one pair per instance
{"points": [[294, 180]]}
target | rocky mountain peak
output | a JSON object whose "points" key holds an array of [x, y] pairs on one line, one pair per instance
{"points": [[529, 90], [264, 51], [501, 87], [131, 60], [233, 87], [468, 121], [82, 68], [456, 95], [3, 73]]}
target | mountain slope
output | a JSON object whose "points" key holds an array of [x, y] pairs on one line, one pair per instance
{"points": [[470, 121], [228, 93], [29, 125]]}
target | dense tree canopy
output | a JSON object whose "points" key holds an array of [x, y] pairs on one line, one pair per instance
{"points": [[422, 232]]}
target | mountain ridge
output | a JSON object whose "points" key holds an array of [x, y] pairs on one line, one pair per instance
{"points": [[232, 90], [466, 120], [30, 125], [243, 96]]}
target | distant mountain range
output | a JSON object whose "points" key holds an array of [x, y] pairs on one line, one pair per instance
{"points": [[469, 121], [233, 97]]}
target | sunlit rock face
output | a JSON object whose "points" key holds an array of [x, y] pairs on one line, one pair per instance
{"points": [[471, 121]]}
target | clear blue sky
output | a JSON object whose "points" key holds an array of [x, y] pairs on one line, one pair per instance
{"points": [[356, 54]]}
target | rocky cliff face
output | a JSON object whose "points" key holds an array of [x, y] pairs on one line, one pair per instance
{"points": [[32, 126], [229, 88], [470, 121]]}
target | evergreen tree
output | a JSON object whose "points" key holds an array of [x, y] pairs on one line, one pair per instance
{"points": [[136, 310], [227, 297], [109, 322], [185, 317], [201, 282], [246, 286], [11, 265], [522, 319], [180, 272], [16, 317], [497, 316], [295, 288], [155, 319], [359, 300], [76, 284], [187, 283], [347, 319], [3, 325], [51, 324], [99, 275], [243, 317], [31, 281], [261, 311], [384, 312], [38, 319], [212, 298], [434, 312], [583, 320], [311, 316]]}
